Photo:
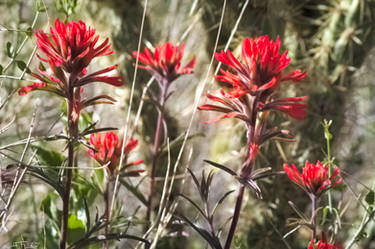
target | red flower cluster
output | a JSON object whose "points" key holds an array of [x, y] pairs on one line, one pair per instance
{"points": [[261, 67], [258, 74], [314, 178], [324, 245], [165, 63], [108, 152], [69, 49]]}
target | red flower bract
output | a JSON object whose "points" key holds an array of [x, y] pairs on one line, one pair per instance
{"points": [[108, 151], [261, 67], [68, 50], [165, 62], [323, 245], [71, 45], [314, 178], [254, 81]]}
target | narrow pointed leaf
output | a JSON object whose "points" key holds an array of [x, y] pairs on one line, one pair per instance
{"points": [[134, 190], [221, 200], [194, 204], [222, 167], [212, 241]]}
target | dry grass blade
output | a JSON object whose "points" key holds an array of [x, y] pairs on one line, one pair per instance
{"points": [[115, 190]]}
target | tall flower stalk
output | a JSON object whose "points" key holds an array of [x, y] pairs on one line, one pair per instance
{"points": [[107, 152], [68, 49], [164, 65], [254, 82]]}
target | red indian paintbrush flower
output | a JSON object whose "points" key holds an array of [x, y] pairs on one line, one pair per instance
{"points": [[165, 66], [314, 178], [254, 81], [261, 67], [165, 62], [258, 74], [68, 50], [323, 245], [108, 152]]}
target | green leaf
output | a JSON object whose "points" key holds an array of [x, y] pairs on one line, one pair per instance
{"points": [[29, 32], [21, 65], [85, 120], [325, 213], [86, 189], [134, 190], [39, 6], [10, 49], [48, 237], [1, 69], [76, 229], [328, 136], [48, 206], [49, 157], [370, 198]]}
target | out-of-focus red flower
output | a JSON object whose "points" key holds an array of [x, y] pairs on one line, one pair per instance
{"points": [[68, 49], [324, 245], [314, 178], [108, 152], [165, 63], [254, 81]]}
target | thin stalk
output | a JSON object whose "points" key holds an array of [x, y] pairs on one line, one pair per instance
{"points": [[328, 138], [246, 170], [236, 216], [158, 135], [73, 132], [329, 173], [66, 197], [313, 216], [106, 196]]}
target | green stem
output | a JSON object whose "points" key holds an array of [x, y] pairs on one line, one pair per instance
{"points": [[329, 172], [313, 216], [106, 196]]}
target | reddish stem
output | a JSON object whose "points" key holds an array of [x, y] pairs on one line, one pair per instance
{"points": [[236, 216], [247, 168], [158, 135], [73, 130], [73, 117]]}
